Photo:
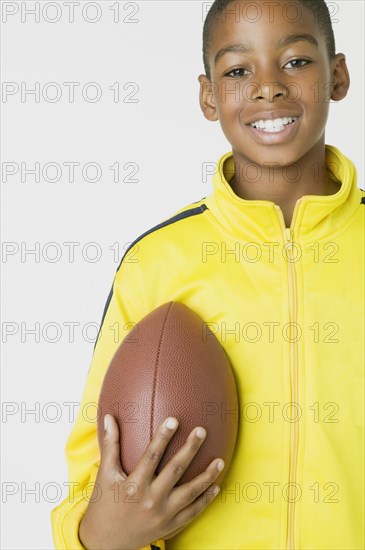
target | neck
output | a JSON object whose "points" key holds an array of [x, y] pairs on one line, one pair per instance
{"points": [[283, 185]]}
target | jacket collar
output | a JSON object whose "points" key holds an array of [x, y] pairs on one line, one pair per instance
{"points": [[315, 216]]}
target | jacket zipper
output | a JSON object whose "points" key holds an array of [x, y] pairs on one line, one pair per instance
{"points": [[294, 429]]}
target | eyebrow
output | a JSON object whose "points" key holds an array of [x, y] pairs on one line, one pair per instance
{"points": [[247, 48]]}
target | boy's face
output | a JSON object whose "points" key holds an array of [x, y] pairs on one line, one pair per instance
{"points": [[245, 86]]}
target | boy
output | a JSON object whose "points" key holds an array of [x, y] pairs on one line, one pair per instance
{"points": [[273, 259]]}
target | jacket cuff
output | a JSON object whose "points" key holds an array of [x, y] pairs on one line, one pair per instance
{"points": [[157, 545], [65, 526]]}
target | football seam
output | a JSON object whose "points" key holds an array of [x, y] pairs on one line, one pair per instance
{"points": [[156, 370]]}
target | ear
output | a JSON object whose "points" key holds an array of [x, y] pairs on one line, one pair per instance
{"points": [[206, 99], [341, 77]]}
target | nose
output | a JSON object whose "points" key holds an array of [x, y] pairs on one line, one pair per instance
{"points": [[268, 85], [270, 90]]}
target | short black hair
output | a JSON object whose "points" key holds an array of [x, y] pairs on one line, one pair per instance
{"points": [[318, 8]]}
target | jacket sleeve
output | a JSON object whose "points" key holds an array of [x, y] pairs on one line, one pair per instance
{"points": [[124, 308]]}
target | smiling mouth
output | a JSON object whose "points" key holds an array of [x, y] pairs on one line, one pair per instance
{"points": [[273, 126], [274, 132]]}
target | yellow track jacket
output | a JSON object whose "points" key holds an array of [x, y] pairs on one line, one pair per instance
{"points": [[287, 305]]}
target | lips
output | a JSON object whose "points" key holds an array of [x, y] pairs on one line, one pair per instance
{"points": [[275, 138]]}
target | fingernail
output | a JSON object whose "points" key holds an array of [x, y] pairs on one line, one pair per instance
{"points": [[171, 423], [216, 489], [200, 432], [220, 465], [106, 422]]}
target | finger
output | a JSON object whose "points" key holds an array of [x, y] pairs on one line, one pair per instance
{"points": [[185, 494], [150, 459], [174, 469], [189, 513], [110, 451]]}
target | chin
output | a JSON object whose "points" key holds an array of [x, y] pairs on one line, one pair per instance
{"points": [[270, 158]]}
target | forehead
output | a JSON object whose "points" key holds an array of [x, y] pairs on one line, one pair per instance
{"points": [[261, 23]]}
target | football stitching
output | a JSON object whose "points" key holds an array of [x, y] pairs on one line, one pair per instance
{"points": [[155, 372]]}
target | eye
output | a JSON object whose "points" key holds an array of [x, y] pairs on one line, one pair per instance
{"points": [[235, 71], [306, 61]]}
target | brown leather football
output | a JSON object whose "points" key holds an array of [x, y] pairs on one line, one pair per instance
{"points": [[171, 364]]}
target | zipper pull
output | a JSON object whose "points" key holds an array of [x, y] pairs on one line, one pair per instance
{"points": [[288, 235]]}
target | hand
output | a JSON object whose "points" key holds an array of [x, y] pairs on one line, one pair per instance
{"points": [[130, 512]]}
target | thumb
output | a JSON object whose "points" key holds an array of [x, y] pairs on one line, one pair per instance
{"points": [[110, 452]]}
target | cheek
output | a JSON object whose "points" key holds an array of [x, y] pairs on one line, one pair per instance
{"points": [[229, 114], [233, 106], [316, 104], [317, 89]]}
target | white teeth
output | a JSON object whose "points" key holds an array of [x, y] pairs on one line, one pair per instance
{"points": [[273, 125]]}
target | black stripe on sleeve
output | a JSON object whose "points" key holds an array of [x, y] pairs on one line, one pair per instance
{"points": [[185, 214]]}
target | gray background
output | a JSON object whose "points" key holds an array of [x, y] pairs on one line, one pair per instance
{"points": [[165, 134]]}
